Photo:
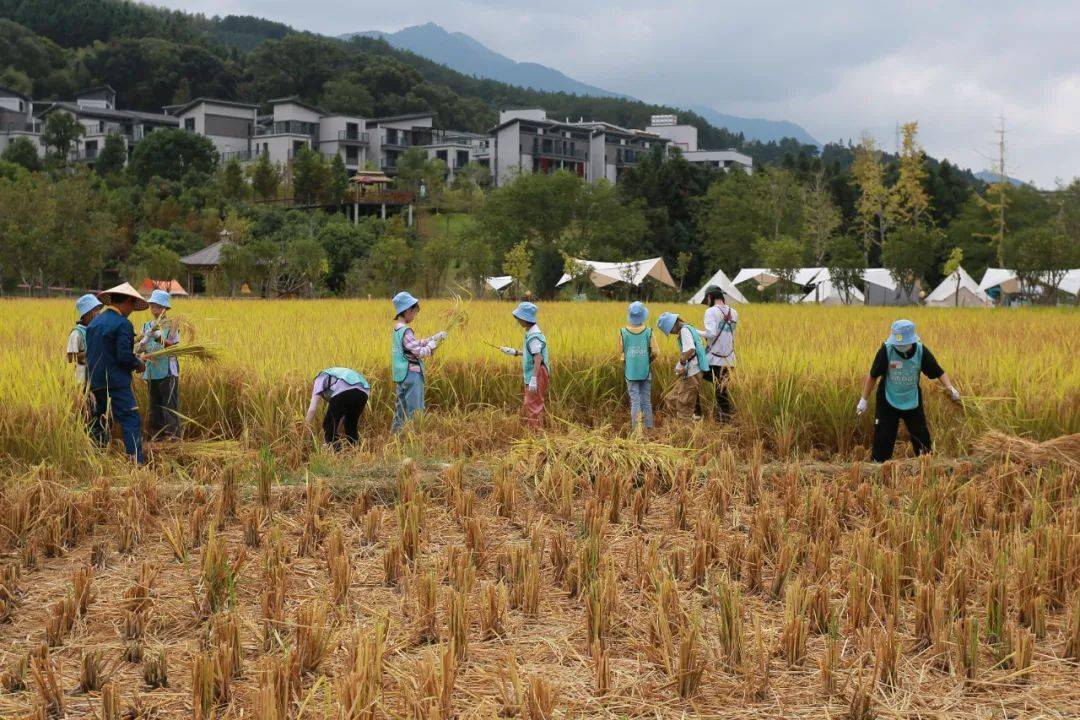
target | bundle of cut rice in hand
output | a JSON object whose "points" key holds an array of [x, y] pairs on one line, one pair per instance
{"points": [[456, 315], [1064, 450], [198, 351]]}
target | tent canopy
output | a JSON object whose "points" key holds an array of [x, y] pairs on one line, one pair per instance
{"points": [[499, 282], [173, 287], [1002, 278], [602, 274], [825, 293], [766, 276], [957, 289], [721, 280]]}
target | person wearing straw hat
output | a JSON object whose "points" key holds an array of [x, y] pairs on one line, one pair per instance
{"points": [[345, 392], [86, 309], [162, 374], [638, 349], [536, 366], [110, 361], [407, 359], [720, 322], [683, 398], [899, 362]]}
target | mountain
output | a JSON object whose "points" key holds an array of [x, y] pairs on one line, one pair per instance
{"points": [[464, 54], [756, 128], [990, 177]]}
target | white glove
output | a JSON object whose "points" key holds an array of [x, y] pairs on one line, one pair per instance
{"points": [[862, 406], [955, 395], [508, 350], [532, 384], [432, 343], [439, 336], [679, 368]]}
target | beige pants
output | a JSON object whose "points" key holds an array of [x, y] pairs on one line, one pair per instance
{"points": [[682, 400]]}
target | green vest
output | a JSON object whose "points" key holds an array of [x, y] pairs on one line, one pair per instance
{"points": [[636, 363], [399, 363], [346, 375], [82, 331], [699, 346], [528, 364], [902, 378]]}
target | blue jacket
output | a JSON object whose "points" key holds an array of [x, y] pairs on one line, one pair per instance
{"points": [[110, 356]]}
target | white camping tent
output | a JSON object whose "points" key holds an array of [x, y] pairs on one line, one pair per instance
{"points": [[825, 293], [499, 283], [1000, 278], [603, 274], [881, 289], [731, 293], [1071, 283], [957, 290], [766, 277]]}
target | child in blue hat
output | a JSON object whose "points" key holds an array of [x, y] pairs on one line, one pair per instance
{"points": [[162, 375], [692, 363], [638, 349], [899, 362], [86, 308], [536, 367], [407, 359]]}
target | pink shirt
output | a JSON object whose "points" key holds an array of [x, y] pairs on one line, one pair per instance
{"points": [[415, 349]]}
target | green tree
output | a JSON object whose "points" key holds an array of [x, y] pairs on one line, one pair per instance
{"points": [[1041, 256], [389, 265], [783, 256], [412, 167], [231, 181], [338, 183], [310, 177], [112, 157], [22, 152], [953, 264], [909, 203], [910, 254], [348, 96], [265, 178], [604, 225], [346, 244], [846, 263], [518, 263], [171, 154], [61, 132], [152, 260], [821, 220], [871, 208]]}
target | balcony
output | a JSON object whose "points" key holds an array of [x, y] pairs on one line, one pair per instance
{"points": [[288, 127], [558, 152], [239, 155], [347, 136]]}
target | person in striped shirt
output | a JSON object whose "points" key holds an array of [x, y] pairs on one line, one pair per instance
{"points": [[407, 355], [345, 393]]}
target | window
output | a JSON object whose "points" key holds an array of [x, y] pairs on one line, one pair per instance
{"points": [[352, 155], [462, 158], [442, 155], [189, 124], [101, 126]]}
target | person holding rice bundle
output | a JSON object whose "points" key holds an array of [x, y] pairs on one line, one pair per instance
{"points": [[638, 349], [683, 398], [110, 361], [345, 392], [162, 374], [899, 362], [720, 323], [407, 359], [536, 367]]}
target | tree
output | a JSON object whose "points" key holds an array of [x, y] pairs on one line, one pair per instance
{"points": [[782, 255], [869, 177], [518, 264], [22, 151], [952, 265], [821, 219], [604, 225], [389, 264], [908, 201], [730, 219], [1040, 256], [682, 266], [346, 95], [910, 255], [345, 244], [846, 263], [265, 178], [338, 183], [310, 177], [112, 157], [171, 154], [231, 180], [153, 260], [61, 132], [411, 168]]}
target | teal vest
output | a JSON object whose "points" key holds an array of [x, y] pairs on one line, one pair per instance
{"points": [[399, 363], [155, 369], [699, 346], [527, 358], [82, 331], [636, 363], [902, 378], [346, 375]]}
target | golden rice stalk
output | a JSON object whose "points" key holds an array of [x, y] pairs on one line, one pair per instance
{"points": [[81, 583], [199, 351], [91, 671], [359, 691], [425, 590], [156, 671], [796, 627], [272, 698], [1072, 631], [49, 701], [312, 640], [828, 666], [493, 610], [110, 702], [539, 699], [13, 679], [457, 623], [1063, 450]]}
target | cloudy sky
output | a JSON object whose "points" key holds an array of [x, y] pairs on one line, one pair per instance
{"points": [[838, 68]]}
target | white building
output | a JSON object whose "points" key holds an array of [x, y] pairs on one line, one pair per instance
{"points": [[229, 125], [685, 138], [17, 119]]}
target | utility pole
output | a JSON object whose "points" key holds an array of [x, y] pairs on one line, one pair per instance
{"points": [[1002, 183]]}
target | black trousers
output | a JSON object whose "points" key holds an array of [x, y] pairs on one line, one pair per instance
{"points": [[164, 404], [342, 416], [887, 422], [720, 378]]}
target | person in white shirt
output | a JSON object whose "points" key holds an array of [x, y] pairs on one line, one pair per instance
{"points": [[683, 397], [86, 307], [720, 323]]}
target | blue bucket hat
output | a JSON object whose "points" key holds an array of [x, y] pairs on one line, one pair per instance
{"points": [[162, 298], [403, 301], [902, 332], [526, 312], [637, 313], [86, 303], [666, 322]]}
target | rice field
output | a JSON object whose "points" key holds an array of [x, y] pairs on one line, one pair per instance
{"points": [[471, 570]]}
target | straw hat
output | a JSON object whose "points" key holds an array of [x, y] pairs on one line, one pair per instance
{"points": [[127, 290]]}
